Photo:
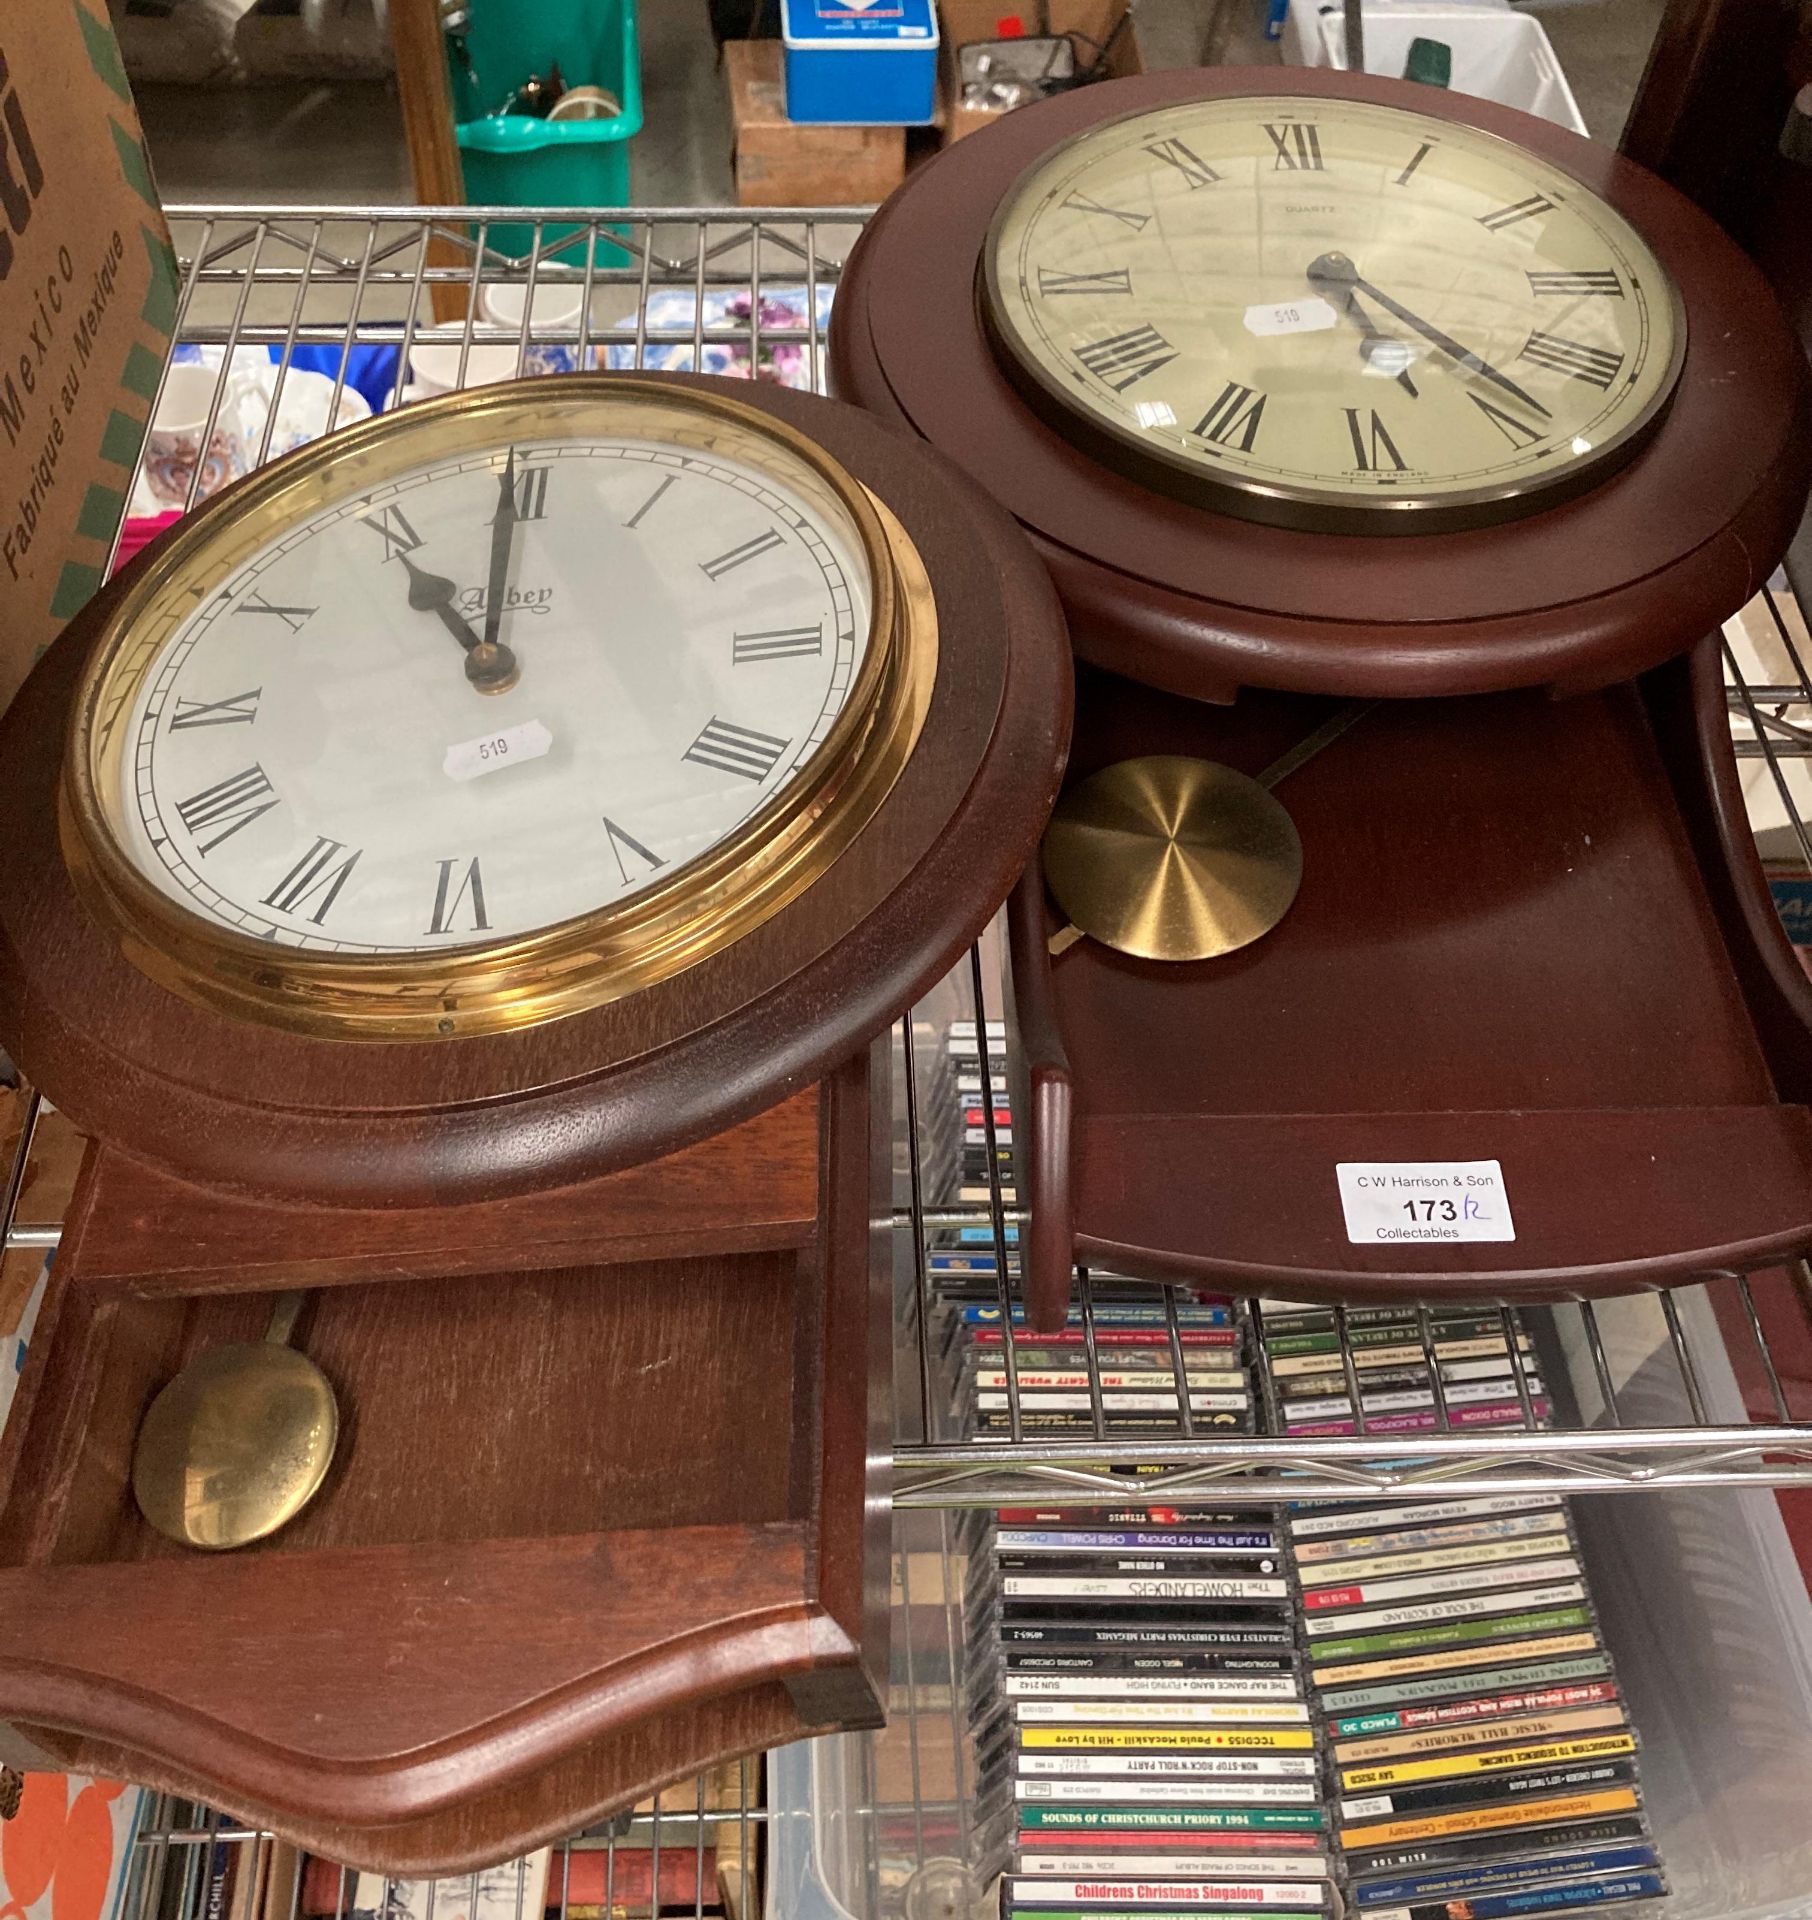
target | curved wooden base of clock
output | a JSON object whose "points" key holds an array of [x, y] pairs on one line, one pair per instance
{"points": [[496, 1814], [1529, 931], [601, 1515]]}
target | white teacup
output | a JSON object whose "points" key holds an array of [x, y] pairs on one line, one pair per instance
{"points": [[557, 308], [302, 409], [434, 363], [174, 444]]}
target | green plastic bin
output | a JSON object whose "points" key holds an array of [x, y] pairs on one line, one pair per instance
{"points": [[515, 160]]}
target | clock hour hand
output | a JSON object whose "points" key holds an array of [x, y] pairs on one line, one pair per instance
{"points": [[490, 666], [1335, 273]]}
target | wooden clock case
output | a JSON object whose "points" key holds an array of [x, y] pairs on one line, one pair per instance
{"points": [[606, 1304], [1199, 603], [1724, 85], [1592, 991], [1530, 929]]}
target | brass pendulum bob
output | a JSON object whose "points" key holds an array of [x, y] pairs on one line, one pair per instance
{"points": [[239, 1442], [1172, 858]]}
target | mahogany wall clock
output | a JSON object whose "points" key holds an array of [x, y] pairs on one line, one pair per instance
{"points": [[1355, 388], [1360, 389], [459, 873]]}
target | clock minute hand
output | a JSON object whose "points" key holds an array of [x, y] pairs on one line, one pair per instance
{"points": [[1373, 338], [503, 548], [1334, 271], [490, 666]]}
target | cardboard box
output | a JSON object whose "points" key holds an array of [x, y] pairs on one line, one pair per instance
{"points": [[1089, 23], [48, 1183], [69, 1848], [87, 303], [779, 164]]}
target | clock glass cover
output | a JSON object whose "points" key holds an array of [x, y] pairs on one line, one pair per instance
{"points": [[1331, 314], [512, 666]]}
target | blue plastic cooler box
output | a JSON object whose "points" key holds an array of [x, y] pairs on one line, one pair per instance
{"points": [[860, 63]]}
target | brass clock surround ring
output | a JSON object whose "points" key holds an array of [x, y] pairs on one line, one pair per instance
{"points": [[702, 908]]}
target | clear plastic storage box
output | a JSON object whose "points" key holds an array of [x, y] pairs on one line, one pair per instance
{"points": [[1498, 54]]}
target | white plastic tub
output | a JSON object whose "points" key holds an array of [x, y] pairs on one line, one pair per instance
{"points": [[1497, 54], [1702, 1604]]}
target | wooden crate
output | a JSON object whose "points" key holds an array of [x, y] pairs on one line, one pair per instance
{"points": [[779, 164], [1089, 23]]}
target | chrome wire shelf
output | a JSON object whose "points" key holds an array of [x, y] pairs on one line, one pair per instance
{"points": [[1682, 1389], [1708, 1386], [186, 1855], [694, 289]]}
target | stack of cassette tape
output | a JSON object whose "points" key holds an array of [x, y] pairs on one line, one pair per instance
{"points": [[966, 1127], [1411, 1370], [1143, 1741], [1395, 1712], [1121, 1365], [973, 1093], [1480, 1752], [1124, 1352]]}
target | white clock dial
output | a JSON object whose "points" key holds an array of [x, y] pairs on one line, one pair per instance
{"points": [[1331, 313], [308, 760]]}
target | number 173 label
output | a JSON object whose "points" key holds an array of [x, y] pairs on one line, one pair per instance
{"points": [[1412, 1201]]}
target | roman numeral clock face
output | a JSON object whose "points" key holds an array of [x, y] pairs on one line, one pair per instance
{"points": [[1330, 314], [488, 693]]}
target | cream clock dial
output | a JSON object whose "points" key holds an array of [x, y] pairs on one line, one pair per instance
{"points": [[325, 754], [1331, 314]]}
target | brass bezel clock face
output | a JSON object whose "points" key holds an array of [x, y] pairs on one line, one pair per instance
{"points": [[717, 657], [1330, 314]]}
